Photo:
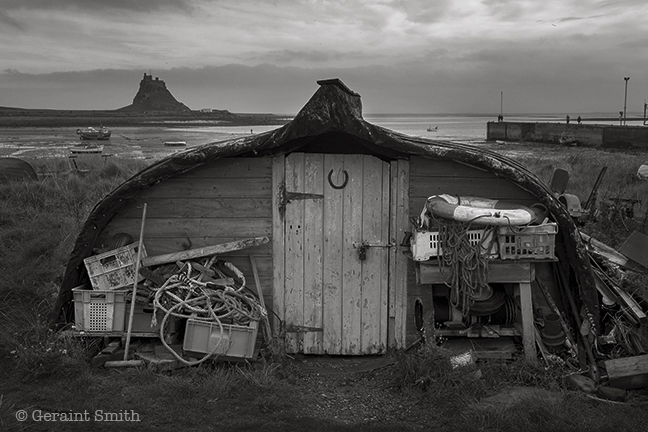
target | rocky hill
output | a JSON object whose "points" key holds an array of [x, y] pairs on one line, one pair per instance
{"points": [[153, 95]]}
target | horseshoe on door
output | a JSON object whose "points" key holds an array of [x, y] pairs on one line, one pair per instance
{"points": [[344, 183]]}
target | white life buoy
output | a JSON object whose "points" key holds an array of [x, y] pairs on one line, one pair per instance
{"points": [[479, 211]]}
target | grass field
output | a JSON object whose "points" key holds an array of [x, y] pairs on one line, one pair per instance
{"points": [[48, 374]]}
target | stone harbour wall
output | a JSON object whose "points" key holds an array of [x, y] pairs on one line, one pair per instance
{"points": [[585, 134]]}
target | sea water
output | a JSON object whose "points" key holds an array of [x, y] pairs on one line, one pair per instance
{"points": [[148, 142]]}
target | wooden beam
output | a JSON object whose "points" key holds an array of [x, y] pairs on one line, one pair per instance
{"points": [[528, 328], [205, 251], [628, 373], [498, 271]]}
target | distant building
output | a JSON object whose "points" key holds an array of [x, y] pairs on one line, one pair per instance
{"points": [[153, 95]]}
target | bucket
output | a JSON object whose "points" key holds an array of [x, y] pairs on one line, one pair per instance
{"points": [[552, 325], [554, 343]]}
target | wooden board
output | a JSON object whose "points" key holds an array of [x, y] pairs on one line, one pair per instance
{"points": [[278, 242], [203, 251], [233, 167], [196, 228], [425, 167], [294, 252], [189, 187], [192, 208], [495, 188], [629, 372], [313, 227], [398, 275], [332, 261], [501, 272]]}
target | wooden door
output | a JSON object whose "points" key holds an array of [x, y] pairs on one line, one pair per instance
{"points": [[336, 221]]}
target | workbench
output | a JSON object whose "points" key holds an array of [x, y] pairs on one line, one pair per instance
{"points": [[519, 274]]}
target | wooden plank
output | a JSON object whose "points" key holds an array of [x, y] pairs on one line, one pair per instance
{"points": [[202, 252], [629, 304], [385, 267], [528, 327], [629, 372], [259, 291], [398, 274], [332, 260], [496, 188], [372, 267], [191, 208], [196, 228], [313, 226], [601, 249], [425, 167], [351, 264], [498, 271], [233, 167], [166, 245], [294, 254], [205, 188], [278, 239]]}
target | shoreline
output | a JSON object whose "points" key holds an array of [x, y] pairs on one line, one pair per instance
{"points": [[13, 118]]}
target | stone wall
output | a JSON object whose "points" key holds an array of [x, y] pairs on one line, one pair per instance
{"points": [[586, 134]]}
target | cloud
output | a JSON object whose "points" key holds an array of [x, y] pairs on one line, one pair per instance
{"points": [[317, 57], [98, 5], [7, 19]]}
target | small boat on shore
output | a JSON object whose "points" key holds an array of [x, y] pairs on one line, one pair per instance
{"points": [[91, 133], [86, 149], [175, 143], [567, 140], [433, 129]]}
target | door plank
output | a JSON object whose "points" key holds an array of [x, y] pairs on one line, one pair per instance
{"points": [[386, 255], [351, 265], [312, 229], [294, 276], [332, 260], [372, 270]]}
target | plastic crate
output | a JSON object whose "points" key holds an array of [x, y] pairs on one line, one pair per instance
{"points": [[114, 269], [425, 244], [235, 340], [527, 242], [99, 311], [142, 317]]}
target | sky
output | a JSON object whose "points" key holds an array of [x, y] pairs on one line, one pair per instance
{"points": [[265, 56]]}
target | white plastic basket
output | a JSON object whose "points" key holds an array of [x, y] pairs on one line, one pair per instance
{"points": [[114, 269], [426, 244]]}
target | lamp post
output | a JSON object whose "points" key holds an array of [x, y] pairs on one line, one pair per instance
{"points": [[625, 99]]}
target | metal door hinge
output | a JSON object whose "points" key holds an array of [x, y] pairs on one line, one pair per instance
{"points": [[285, 197]]}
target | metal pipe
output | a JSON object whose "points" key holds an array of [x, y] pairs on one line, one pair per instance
{"points": [[625, 100]]}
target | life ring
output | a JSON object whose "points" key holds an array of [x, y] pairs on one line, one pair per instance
{"points": [[480, 211]]}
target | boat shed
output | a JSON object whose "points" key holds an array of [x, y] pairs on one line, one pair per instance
{"points": [[336, 197]]}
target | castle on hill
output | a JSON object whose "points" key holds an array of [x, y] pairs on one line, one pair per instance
{"points": [[153, 95]]}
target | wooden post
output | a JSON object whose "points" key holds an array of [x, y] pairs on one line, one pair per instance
{"points": [[528, 328]]}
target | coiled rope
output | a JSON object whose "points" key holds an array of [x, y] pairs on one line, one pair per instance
{"points": [[464, 260], [185, 295]]}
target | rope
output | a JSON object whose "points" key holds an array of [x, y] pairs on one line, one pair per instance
{"points": [[465, 261], [186, 295]]}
